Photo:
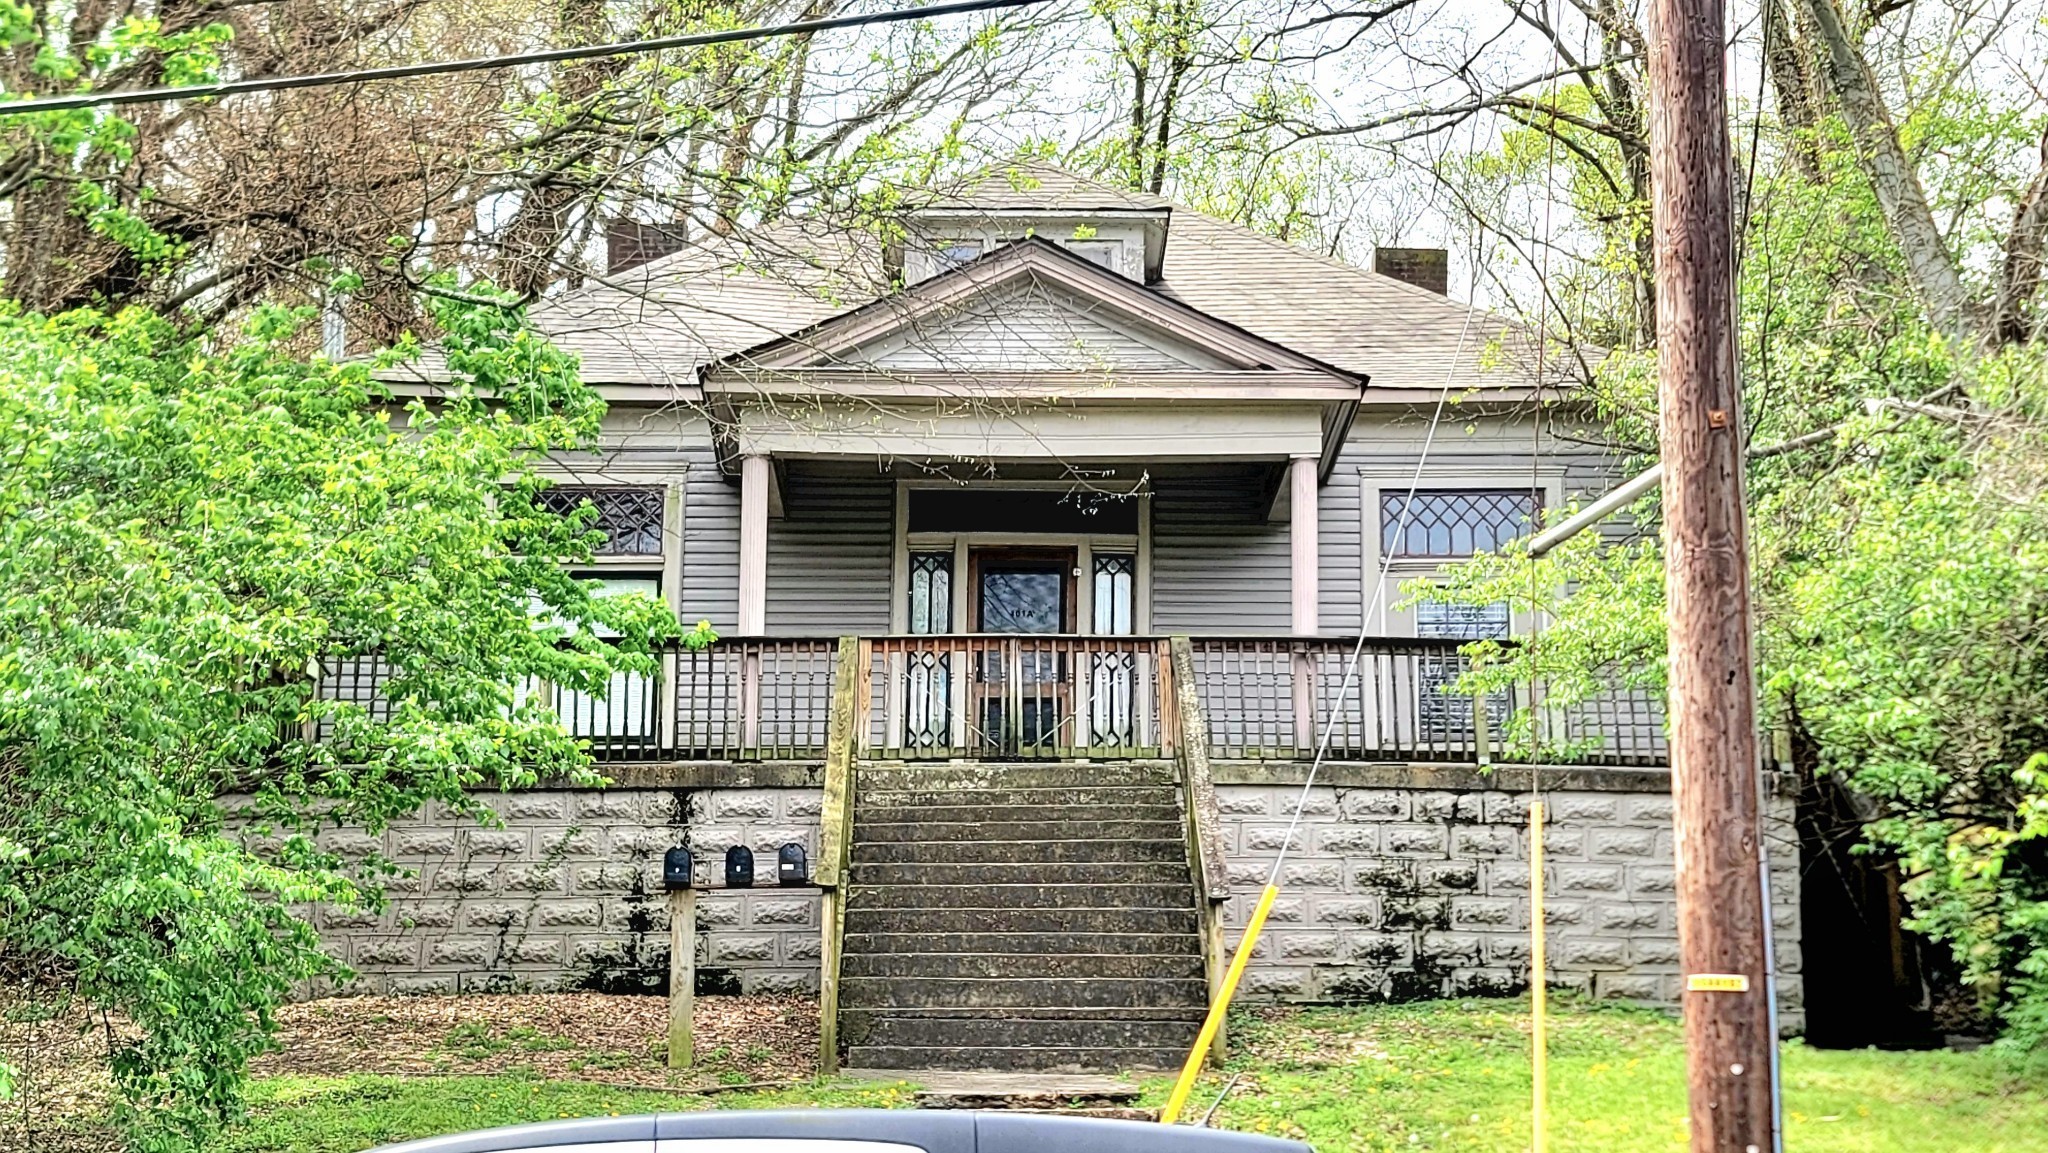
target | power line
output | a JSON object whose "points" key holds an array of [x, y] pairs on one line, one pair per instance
{"points": [[81, 100]]}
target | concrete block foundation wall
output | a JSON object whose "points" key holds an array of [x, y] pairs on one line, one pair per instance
{"points": [[1403, 883], [567, 895], [1393, 892]]}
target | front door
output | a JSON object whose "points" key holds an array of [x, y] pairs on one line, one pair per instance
{"points": [[1021, 687]]}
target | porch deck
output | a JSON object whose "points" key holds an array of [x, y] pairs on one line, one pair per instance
{"points": [[1017, 697]]}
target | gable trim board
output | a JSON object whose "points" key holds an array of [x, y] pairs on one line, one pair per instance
{"points": [[1234, 385], [1047, 431]]}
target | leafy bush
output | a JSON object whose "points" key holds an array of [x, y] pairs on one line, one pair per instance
{"points": [[189, 529]]}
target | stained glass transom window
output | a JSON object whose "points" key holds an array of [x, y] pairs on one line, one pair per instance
{"points": [[629, 516], [1452, 523]]}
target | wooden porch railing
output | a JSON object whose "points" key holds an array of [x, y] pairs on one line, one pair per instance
{"points": [[1021, 697], [989, 696], [1271, 698]]}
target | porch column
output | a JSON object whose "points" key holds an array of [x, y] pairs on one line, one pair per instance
{"points": [[1301, 475], [756, 475]]}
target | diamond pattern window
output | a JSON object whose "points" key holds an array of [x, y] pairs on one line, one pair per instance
{"points": [[1115, 575], [629, 516], [1452, 523], [931, 593]]}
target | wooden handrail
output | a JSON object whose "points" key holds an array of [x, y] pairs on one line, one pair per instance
{"points": [[1206, 850], [835, 841]]}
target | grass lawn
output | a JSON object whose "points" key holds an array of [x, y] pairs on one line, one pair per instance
{"points": [[1454, 1076], [1447, 1076]]}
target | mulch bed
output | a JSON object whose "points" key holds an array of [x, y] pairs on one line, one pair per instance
{"points": [[63, 1088], [565, 1036]]}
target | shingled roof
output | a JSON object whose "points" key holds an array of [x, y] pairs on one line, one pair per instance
{"points": [[659, 324]]}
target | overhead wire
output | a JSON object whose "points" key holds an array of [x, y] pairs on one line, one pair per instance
{"points": [[1539, 960], [97, 99], [1177, 1100]]}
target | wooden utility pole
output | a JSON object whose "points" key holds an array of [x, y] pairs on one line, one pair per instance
{"points": [[1722, 922]]}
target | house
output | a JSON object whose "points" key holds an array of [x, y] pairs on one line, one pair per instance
{"points": [[1047, 543]]}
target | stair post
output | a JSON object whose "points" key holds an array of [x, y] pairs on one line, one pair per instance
{"points": [[1204, 821], [835, 838]]}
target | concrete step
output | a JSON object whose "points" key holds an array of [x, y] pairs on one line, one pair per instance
{"points": [[1048, 1059], [1024, 896], [1021, 873], [1024, 830], [1009, 814], [1175, 920], [946, 775], [1080, 795], [1018, 944], [1189, 1014], [1133, 1029], [1020, 966], [1173, 852], [1002, 992]]}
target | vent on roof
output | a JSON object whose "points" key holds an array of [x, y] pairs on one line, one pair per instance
{"points": [[629, 243], [1422, 267]]}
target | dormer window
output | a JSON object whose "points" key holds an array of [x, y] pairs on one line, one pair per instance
{"points": [[1130, 242], [954, 253], [1107, 253]]}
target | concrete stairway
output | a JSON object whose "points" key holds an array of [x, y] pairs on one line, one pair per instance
{"points": [[1019, 916]]}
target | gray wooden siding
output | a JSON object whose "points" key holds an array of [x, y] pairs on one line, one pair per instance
{"points": [[829, 553], [1218, 566], [1382, 456], [1339, 559], [711, 543]]}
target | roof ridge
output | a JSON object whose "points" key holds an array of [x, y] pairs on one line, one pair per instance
{"points": [[1183, 209], [972, 181]]}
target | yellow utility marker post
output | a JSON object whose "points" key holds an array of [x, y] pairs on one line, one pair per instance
{"points": [[1178, 1102], [1539, 1050]]}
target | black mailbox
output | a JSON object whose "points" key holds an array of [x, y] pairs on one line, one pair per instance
{"points": [[790, 866], [739, 867], [676, 867]]}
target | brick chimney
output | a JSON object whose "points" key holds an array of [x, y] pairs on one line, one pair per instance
{"points": [[1422, 267], [631, 243]]}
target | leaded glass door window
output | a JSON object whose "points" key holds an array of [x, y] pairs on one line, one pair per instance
{"points": [[1113, 676], [1023, 701], [927, 677]]}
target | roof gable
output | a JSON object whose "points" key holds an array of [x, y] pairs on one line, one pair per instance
{"points": [[1029, 305], [1030, 326]]}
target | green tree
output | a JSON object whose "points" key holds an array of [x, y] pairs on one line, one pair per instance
{"points": [[191, 528], [1899, 539]]}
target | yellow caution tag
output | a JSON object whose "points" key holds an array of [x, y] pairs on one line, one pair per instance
{"points": [[1717, 983]]}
